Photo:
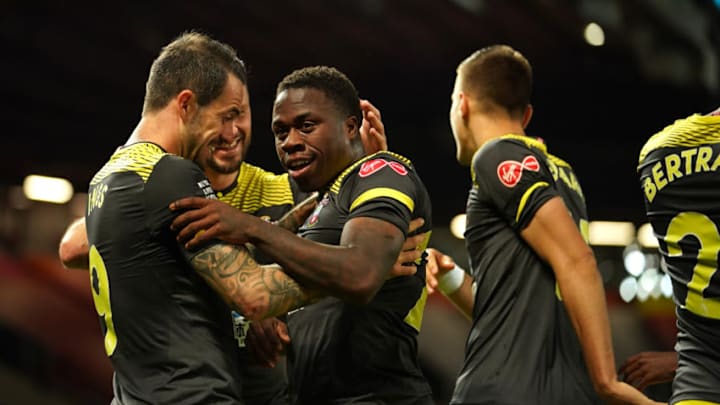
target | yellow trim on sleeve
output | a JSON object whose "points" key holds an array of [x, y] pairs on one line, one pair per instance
{"points": [[525, 197], [383, 192], [696, 402]]}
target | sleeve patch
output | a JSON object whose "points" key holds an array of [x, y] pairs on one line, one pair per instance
{"points": [[510, 171], [206, 189]]}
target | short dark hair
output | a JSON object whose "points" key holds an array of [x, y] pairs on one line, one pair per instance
{"points": [[332, 82], [500, 75], [192, 61]]}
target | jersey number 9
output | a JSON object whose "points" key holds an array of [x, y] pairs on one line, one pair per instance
{"points": [[101, 297]]}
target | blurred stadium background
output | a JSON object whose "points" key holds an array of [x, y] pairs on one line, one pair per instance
{"points": [[608, 74]]}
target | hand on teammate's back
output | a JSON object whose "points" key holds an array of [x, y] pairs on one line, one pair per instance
{"points": [[649, 368]]}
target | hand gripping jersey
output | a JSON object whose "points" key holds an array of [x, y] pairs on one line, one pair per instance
{"points": [[168, 335], [522, 348], [681, 184], [342, 352]]}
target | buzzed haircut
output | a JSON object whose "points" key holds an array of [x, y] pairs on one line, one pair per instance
{"points": [[336, 86], [498, 75], [192, 61]]}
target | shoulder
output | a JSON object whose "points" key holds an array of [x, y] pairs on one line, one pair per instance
{"points": [[380, 165], [502, 146], [503, 151]]}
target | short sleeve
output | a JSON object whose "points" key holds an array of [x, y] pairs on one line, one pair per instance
{"points": [[173, 178], [384, 189], [514, 178]]}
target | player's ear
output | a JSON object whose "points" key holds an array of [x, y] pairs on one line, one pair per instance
{"points": [[464, 105], [527, 115], [352, 127], [186, 104]]}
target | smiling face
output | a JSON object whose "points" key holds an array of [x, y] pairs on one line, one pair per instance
{"points": [[312, 137], [218, 134], [224, 155]]}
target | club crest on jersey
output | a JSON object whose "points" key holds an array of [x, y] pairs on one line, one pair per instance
{"points": [[510, 171], [312, 220], [373, 166]]}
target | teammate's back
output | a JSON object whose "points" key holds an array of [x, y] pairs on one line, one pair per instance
{"points": [[679, 175]]}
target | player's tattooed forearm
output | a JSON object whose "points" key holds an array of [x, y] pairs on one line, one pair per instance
{"points": [[284, 292], [234, 272]]}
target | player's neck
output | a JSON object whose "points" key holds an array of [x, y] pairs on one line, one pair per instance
{"points": [[488, 127], [158, 128], [221, 181]]}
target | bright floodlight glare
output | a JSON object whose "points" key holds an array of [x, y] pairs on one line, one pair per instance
{"points": [[642, 294], [666, 286], [634, 261], [649, 279], [47, 189], [628, 288], [645, 236], [594, 34], [457, 226], [611, 233]]}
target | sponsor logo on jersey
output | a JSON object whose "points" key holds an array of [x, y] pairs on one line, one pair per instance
{"points": [[510, 171], [373, 166]]}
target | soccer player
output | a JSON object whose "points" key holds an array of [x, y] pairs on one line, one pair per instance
{"points": [[679, 177], [163, 309], [362, 346], [264, 194], [540, 332]]}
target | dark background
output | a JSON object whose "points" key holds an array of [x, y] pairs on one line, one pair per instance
{"points": [[73, 76]]}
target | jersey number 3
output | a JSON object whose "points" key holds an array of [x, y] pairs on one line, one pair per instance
{"points": [[700, 300], [101, 297]]}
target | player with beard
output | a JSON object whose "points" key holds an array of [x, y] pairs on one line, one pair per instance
{"points": [[360, 345], [269, 196]]}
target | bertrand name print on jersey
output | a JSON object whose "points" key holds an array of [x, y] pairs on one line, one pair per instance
{"points": [[677, 165]]}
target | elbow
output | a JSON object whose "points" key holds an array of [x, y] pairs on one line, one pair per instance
{"points": [[63, 254], [72, 257], [362, 291], [605, 387]]}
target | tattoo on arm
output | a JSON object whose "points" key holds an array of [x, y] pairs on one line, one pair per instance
{"points": [[256, 291]]}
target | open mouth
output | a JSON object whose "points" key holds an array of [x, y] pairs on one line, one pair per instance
{"points": [[297, 167]]}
